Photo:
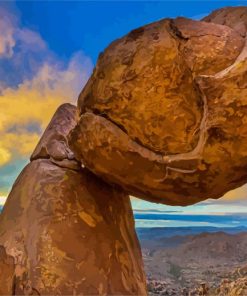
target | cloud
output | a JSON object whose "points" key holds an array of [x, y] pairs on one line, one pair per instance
{"points": [[35, 101], [234, 201], [7, 41], [15, 39], [33, 83], [30, 40], [236, 194], [233, 197], [2, 200], [4, 155]]}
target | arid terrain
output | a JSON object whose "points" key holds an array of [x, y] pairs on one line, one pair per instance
{"points": [[194, 264]]}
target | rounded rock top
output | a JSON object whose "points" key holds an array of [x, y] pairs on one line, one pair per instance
{"points": [[163, 113]]}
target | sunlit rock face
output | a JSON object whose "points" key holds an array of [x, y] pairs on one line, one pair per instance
{"points": [[164, 113], [63, 231], [53, 143], [233, 17]]}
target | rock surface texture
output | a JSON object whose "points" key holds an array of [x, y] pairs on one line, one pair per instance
{"points": [[65, 232], [6, 273], [164, 113]]}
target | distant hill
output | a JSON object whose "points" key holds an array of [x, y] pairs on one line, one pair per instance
{"points": [[187, 260], [212, 248], [157, 237]]}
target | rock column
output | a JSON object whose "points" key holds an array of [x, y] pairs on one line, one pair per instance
{"points": [[63, 231]]}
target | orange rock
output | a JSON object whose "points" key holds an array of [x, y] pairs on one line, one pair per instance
{"points": [[233, 17], [132, 76], [163, 114], [68, 232], [53, 143], [7, 269], [207, 47]]}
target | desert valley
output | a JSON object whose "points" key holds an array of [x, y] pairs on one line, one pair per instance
{"points": [[210, 261]]}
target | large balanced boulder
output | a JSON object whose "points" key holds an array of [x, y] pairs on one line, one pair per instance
{"points": [[63, 231], [164, 113]]}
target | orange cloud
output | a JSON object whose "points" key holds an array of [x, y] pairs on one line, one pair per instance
{"points": [[33, 83], [35, 101], [236, 194], [5, 155]]}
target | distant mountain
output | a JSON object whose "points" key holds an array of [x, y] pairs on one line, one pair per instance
{"points": [[155, 236], [184, 260], [213, 247]]}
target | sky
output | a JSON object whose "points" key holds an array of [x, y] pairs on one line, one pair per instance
{"points": [[47, 52]]}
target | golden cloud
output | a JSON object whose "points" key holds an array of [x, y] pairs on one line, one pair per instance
{"points": [[236, 194], [35, 101], [5, 156], [2, 200]]}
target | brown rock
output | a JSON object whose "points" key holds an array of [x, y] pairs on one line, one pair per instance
{"points": [[233, 17], [163, 114], [69, 232], [7, 269], [129, 95], [155, 99], [207, 47], [53, 143]]}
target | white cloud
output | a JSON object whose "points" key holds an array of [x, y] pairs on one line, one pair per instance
{"points": [[30, 40], [35, 101], [7, 30], [33, 83], [2, 200], [12, 34]]}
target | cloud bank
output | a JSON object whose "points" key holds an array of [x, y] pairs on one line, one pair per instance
{"points": [[33, 83]]}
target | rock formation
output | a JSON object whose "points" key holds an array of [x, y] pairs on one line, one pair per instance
{"points": [[163, 117], [164, 112], [65, 231]]}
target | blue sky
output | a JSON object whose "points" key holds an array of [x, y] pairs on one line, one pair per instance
{"points": [[91, 25], [47, 52]]}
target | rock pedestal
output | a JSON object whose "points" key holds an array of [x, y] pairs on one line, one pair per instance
{"points": [[63, 231]]}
